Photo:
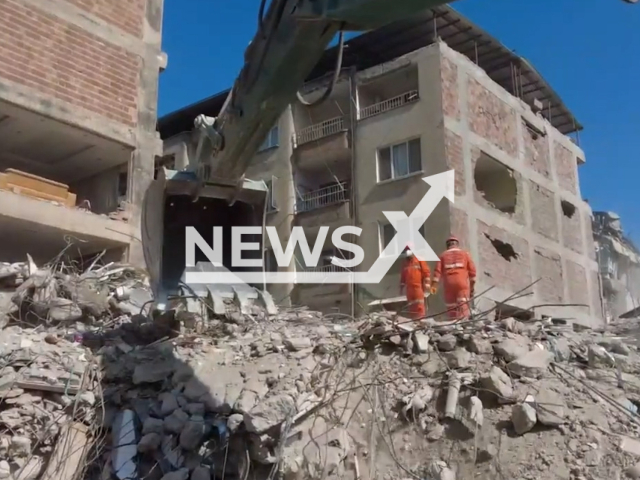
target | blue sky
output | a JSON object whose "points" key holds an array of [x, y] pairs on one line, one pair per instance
{"points": [[588, 50]]}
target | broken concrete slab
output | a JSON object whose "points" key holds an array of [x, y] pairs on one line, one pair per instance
{"points": [[533, 364]]}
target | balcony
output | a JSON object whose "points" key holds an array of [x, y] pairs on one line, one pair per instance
{"points": [[329, 138], [323, 296], [325, 206], [319, 131], [384, 93], [384, 106], [323, 197]]}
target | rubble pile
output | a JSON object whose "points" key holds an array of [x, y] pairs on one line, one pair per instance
{"points": [[50, 388], [180, 395]]}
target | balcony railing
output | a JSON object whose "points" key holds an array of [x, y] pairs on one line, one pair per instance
{"points": [[389, 104], [323, 197], [324, 269], [320, 130], [304, 273]]}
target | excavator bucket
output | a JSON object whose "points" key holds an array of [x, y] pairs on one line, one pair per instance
{"points": [[168, 209]]}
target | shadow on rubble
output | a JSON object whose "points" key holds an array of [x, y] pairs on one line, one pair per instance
{"points": [[134, 408], [162, 417]]}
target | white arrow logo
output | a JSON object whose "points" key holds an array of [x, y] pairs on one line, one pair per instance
{"points": [[407, 232]]}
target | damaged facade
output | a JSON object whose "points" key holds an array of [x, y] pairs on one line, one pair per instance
{"points": [[78, 100], [438, 94], [619, 261]]}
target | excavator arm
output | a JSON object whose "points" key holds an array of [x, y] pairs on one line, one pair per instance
{"points": [[291, 39]]}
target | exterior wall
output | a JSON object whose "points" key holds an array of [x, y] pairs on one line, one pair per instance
{"points": [[550, 247], [90, 64], [274, 165], [421, 119]]}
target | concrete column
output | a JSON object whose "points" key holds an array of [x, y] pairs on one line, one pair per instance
{"points": [[149, 145]]}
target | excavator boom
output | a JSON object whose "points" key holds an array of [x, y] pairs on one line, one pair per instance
{"points": [[291, 39]]}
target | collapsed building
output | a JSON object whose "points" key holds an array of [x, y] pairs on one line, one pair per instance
{"points": [[619, 262], [438, 94], [78, 100]]}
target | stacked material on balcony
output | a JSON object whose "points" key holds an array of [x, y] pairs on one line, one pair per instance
{"points": [[29, 185]]}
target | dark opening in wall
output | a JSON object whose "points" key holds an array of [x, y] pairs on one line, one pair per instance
{"points": [[123, 182], [505, 249], [496, 182], [568, 208]]}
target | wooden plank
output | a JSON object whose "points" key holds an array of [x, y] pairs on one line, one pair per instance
{"points": [[34, 182], [69, 457], [47, 387]]}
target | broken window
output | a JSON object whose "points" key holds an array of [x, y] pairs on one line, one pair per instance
{"points": [[505, 249], [568, 208], [496, 182], [400, 160]]}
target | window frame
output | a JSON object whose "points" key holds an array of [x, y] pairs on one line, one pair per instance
{"points": [[272, 139], [272, 205], [381, 242], [390, 147]]}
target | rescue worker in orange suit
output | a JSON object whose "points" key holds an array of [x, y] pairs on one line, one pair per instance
{"points": [[416, 279], [459, 272]]}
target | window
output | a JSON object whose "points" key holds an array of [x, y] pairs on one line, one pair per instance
{"points": [[271, 141], [400, 160], [387, 232], [271, 202]]}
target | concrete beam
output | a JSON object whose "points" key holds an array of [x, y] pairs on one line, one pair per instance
{"points": [[52, 107], [66, 221]]}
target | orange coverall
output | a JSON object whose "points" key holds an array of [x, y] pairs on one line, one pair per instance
{"points": [[459, 279], [416, 277]]}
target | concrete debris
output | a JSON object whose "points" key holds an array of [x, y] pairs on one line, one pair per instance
{"points": [[523, 417], [533, 364], [550, 407], [185, 394]]}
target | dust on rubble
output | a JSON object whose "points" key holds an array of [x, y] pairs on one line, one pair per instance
{"points": [[96, 385]]}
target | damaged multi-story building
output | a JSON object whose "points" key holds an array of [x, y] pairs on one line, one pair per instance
{"points": [[78, 139], [416, 98], [619, 261]]}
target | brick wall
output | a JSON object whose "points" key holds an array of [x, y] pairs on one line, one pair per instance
{"points": [[566, 167], [536, 151], [450, 97], [511, 274], [455, 159], [491, 118], [127, 15], [59, 59], [548, 268], [578, 288], [572, 228], [543, 211]]}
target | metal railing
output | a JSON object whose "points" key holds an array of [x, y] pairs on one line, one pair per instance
{"points": [[304, 273], [319, 130], [324, 269], [330, 195], [389, 104]]}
